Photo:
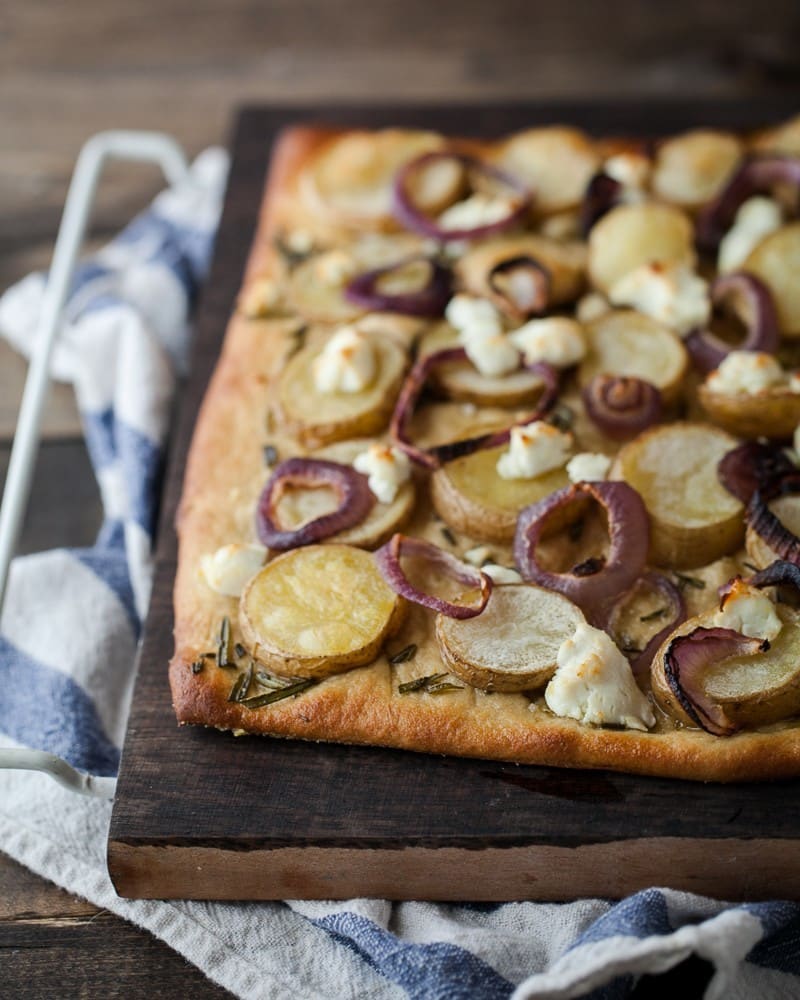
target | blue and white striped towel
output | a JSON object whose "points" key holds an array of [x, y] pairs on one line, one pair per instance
{"points": [[67, 642]]}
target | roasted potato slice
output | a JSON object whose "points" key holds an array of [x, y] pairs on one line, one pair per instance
{"points": [[513, 644], [295, 507], [555, 162], [626, 342], [755, 690], [470, 495], [787, 511], [565, 263], [631, 235], [317, 611], [349, 181], [772, 412], [318, 418], [461, 380], [690, 169], [316, 287], [693, 518], [776, 260]]}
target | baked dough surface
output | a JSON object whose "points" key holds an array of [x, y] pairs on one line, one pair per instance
{"points": [[224, 474]]}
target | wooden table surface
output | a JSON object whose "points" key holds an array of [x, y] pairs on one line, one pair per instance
{"points": [[68, 70]]}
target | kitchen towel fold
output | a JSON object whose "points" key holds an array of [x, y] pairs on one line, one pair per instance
{"points": [[70, 628]]}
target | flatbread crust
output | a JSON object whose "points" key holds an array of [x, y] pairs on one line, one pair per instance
{"points": [[224, 475]]}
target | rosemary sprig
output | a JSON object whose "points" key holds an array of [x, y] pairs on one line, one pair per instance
{"points": [[241, 685], [260, 700], [689, 581], [443, 687], [421, 683], [404, 655], [658, 613], [270, 455], [197, 666], [240, 650], [224, 643], [750, 566], [268, 681], [448, 535]]}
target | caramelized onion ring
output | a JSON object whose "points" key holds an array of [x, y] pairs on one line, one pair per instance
{"points": [[753, 466], [412, 217], [780, 573], [432, 458], [602, 194], [430, 300], [755, 307], [684, 661], [622, 405], [522, 286], [629, 536], [767, 526], [756, 174], [355, 501], [388, 560]]}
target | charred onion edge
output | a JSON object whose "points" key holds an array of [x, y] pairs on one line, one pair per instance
{"points": [[432, 458], [685, 659], [629, 539], [780, 573], [408, 215], [708, 351], [767, 526], [602, 194], [543, 283], [755, 174], [388, 560], [656, 581], [622, 405], [428, 301], [754, 465], [355, 501]]}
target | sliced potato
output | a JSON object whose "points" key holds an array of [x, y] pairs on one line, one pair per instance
{"points": [[555, 162], [772, 413], [565, 263], [317, 611], [295, 507], [626, 342], [787, 511], [692, 168], [755, 690], [631, 235], [461, 380], [316, 287], [350, 180], [776, 260], [318, 418], [470, 495], [513, 644], [693, 518]]}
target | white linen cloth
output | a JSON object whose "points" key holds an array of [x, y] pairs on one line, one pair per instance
{"points": [[67, 642]]}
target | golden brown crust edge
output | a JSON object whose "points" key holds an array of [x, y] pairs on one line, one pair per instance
{"points": [[361, 706]]}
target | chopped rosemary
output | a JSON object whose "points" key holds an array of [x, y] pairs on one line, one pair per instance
{"points": [[589, 566], [210, 655], [404, 655], [291, 256], [420, 683], [241, 685], [750, 566], [631, 649], [448, 535], [198, 665], [298, 340], [562, 417], [443, 687], [224, 644], [658, 613], [260, 700], [240, 650], [690, 581], [270, 455], [268, 681]]}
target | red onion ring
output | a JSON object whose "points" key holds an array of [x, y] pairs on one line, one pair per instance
{"points": [[432, 458], [767, 526], [780, 573], [520, 303], [629, 537], [355, 501], [751, 466], [756, 174], [684, 661], [622, 405], [602, 194], [427, 301], [388, 560], [655, 581], [708, 351], [410, 216]]}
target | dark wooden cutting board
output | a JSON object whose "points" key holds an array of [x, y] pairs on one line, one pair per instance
{"points": [[200, 814]]}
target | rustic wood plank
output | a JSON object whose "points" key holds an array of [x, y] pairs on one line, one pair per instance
{"points": [[255, 799], [25, 896]]}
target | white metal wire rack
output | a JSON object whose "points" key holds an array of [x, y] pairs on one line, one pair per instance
{"points": [[134, 146]]}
